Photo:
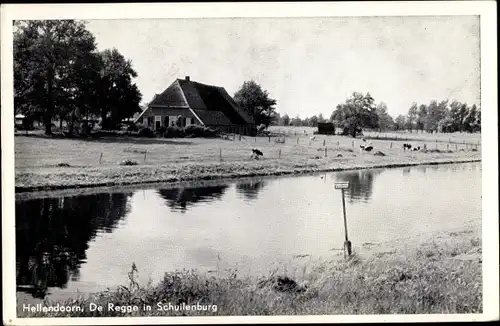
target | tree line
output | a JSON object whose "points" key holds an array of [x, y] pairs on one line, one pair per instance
{"points": [[60, 74], [360, 111]]}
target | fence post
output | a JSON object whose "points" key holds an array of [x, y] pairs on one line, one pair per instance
{"points": [[353, 144], [220, 154], [456, 147], [297, 140], [145, 154], [100, 158], [279, 153], [324, 141], [338, 143], [269, 138], [447, 147], [391, 145], [326, 151], [255, 139]]}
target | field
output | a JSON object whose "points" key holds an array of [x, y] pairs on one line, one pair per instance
{"points": [[435, 273], [55, 163], [452, 138]]}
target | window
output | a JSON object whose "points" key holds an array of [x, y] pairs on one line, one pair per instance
{"points": [[157, 122]]}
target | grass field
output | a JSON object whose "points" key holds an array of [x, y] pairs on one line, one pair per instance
{"points": [[452, 138], [87, 162], [433, 273]]}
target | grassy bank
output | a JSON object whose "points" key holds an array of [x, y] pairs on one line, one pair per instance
{"points": [[438, 273], [45, 163]]}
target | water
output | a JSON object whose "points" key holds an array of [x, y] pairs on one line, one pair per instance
{"points": [[87, 243]]}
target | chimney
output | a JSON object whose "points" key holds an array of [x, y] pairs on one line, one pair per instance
{"points": [[187, 78]]}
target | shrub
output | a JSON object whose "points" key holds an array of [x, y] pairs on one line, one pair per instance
{"points": [[174, 132], [145, 132], [128, 162], [160, 131], [132, 127], [200, 131]]}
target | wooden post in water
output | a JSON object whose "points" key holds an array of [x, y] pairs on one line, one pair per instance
{"points": [[279, 153], [297, 140], [347, 244], [100, 158], [145, 154], [391, 145], [324, 142], [326, 151], [220, 154]]}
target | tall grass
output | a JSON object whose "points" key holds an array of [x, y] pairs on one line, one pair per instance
{"points": [[441, 275]]}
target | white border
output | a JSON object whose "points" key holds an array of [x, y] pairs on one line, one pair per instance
{"points": [[489, 105]]}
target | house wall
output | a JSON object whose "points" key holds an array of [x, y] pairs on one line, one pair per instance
{"points": [[167, 116]]}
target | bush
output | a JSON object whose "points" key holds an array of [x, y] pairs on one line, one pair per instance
{"points": [[174, 132], [200, 131], [160, 131], [132, 127], [129, 162], [146, 132]]}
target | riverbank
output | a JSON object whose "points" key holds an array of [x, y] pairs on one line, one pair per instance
{"points": [[432, 273], [50, 164]]}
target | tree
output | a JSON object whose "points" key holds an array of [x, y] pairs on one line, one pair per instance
{"points": [[472, 122], [296, 121], [118, 97], [411, 118], [47, 58], [313, 121], [385, 121], [256, 102], [357, 112], [400, 122], [435, 113], [321, 118], [421, 116], [285, 120]]}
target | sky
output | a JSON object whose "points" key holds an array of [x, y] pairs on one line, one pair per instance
{"points": [[309, 65]]}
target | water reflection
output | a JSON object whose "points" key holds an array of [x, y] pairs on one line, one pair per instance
{"points": [[360, 183], [180, 199], [250, 189], [52, 236]]}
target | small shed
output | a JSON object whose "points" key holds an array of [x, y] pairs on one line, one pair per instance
{"points": [[326, 128]]}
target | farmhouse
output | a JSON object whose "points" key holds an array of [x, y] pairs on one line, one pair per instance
{"points": [[186, 102]]}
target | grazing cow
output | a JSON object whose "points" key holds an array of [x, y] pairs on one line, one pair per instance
{"points": [[256, 152], [407, 147], [366, 148], [416, 148], [313, 138]]}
